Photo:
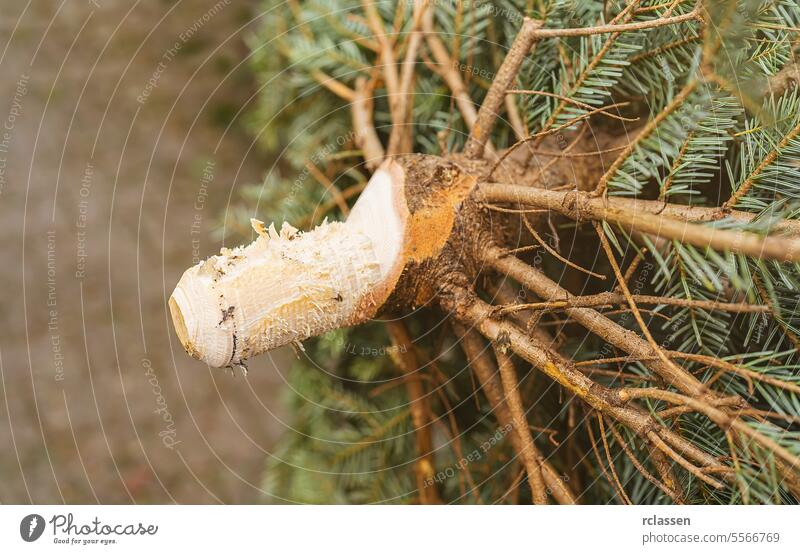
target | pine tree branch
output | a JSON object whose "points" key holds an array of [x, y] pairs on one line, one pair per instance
{"points": [[662, 195], [768, 160], [718, 416], [530, 460], [624, 15], [366, 137], [615, 298], [651, 126], [595, 322], [489, 382], [664, 49], [578, 206], [475, 313], [487, 115], [618, 28], [401, 137], [406, 360]]}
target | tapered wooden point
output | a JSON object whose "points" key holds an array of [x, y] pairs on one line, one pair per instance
{"points": [[288, 286]]}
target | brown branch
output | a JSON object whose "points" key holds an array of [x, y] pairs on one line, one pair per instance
{"points": [[577, 205], [610, 461], [515, 119], [615, 298], [651, 126], [722, 419], [641, 469], [484, 370], [401, 137], [632, 303], [330, 187], [742, 486], [486, 119], [555, 254], [386, 53], [620, 28], [683, 462], [559, 200], [605, 328], [732, 368], [448, 72], [530, 460], [335, 86], [406, 360], [665, 470], [474, 312], [366, 138], [615, 484]]}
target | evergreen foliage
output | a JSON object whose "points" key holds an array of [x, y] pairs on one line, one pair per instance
{"points": [[351, 439]]}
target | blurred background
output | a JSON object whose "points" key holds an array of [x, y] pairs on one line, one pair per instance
{"points": [[120, 149]]}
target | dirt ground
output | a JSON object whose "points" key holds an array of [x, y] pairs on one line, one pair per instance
{"points": [[119, 150]]}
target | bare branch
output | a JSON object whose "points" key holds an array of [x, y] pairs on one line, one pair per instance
{"points": [[615, 298], [406, 360], [577, 205], [386, 53], [554, 253], [401, 138], [597, 323], [559, 200], [632, 303], [448, 72], [366, 137], [722, 419], [640, 468], [484, 370], [472, 311], [620, 28], [490, 109], [508, 378], [335, 86]]}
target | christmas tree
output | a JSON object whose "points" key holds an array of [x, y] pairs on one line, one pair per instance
{"points": [[606, 193]]}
